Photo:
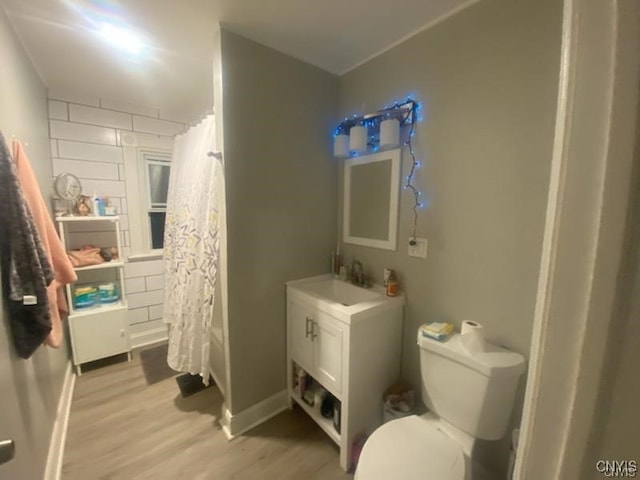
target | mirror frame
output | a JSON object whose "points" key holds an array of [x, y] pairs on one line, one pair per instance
{"points": [[394, 194]]}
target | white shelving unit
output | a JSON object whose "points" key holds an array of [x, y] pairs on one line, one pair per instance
{"points": [[100, 331]]}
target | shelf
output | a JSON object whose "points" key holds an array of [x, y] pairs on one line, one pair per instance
{"points": [[100, 266], [84, 312], [88, 218], [325, 424]]}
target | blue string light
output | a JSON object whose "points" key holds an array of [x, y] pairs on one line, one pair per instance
{"points": [[409, 185], [406, 112]]}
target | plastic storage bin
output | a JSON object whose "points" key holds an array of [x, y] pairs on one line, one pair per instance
{"points": [[85, 297], [108, 293]]}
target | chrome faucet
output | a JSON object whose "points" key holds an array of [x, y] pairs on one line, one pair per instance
{"points": [[357, 273]]}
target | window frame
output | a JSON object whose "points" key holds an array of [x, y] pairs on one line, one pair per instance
{"points": [[151, 158], [137, 149]]}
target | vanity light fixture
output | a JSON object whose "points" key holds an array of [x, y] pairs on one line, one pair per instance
{"points": [[389, 133], [383, 128], [358, 139], [374, 131], [341, 145]]}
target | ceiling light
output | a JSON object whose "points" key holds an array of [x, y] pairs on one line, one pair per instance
{"points": [[121, 38]]}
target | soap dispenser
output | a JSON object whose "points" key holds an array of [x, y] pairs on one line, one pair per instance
{"points": [[391, 284]]}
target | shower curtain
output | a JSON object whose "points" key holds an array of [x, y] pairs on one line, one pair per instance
{"points": [[191, 248]]}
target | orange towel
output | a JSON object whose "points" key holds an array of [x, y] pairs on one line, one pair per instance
{"points": [[51, 243]]}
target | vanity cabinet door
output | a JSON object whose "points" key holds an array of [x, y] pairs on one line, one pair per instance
{"points": [[328, 339], [300, 335]]}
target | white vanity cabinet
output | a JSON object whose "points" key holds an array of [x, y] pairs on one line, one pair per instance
{"points": [[349, 342], [316, 341]]}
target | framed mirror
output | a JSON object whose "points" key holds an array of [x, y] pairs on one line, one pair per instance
{"points": [[370, 206]]}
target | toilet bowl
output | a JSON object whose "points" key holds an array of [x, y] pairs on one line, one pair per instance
{"points": [[469, 395], [412, 448]]}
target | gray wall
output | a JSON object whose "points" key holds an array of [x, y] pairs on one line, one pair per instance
{"points": [[281, 201], [487, 78], [30, 388]]}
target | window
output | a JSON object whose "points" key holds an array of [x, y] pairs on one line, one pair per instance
{"points": [[147, 164], [157, 168]]}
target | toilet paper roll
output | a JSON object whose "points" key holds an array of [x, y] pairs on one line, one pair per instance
{"points": [[472, 337]]}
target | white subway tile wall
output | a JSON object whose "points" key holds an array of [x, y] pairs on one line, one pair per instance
{"points": [[135, 285], [142, 299], [155, 312], [156, 126], [138, 315], [89, 152], [84, 142], [82, 133], [74, 98], [99, 116], [155, 282], [54, 148], [130, 108], [141, 269], [81, 168], [58, 110]]}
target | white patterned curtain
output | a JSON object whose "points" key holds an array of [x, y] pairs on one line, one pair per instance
{"points": [[191, 248]]}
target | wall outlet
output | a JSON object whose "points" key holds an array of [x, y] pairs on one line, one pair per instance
{"points": [[419, 249]]}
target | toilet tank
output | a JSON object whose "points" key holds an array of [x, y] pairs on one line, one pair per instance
{"points": [[474, 393]]}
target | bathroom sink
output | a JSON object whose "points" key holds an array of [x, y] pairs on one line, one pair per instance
{"points": [[341, 292], [341, 299]]}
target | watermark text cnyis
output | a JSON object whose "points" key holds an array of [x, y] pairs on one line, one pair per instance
{"points": [[617, 468]]}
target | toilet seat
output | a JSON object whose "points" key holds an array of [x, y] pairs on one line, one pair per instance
{"points": [[410, 449]]}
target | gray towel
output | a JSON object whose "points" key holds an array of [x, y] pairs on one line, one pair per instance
{"points": [[26, 271]]}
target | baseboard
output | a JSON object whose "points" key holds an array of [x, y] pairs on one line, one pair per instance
{"points": [[235, 425], [59, 435], [149, 337]]}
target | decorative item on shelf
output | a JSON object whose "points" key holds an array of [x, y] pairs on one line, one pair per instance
{"points": [[68, 188], [109, 254], [109, 209], [82, 207]]}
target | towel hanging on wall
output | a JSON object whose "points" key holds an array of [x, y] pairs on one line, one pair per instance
{"points": [[26, 271], [51, 244]]}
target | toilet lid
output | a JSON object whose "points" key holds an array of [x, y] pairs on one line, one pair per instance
{"points": [[410, 449]]}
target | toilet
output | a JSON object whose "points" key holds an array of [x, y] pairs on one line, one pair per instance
{"points": [[469, 396]]}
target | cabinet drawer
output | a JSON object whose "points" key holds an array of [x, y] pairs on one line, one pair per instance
{"points": [[98, 335]]}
